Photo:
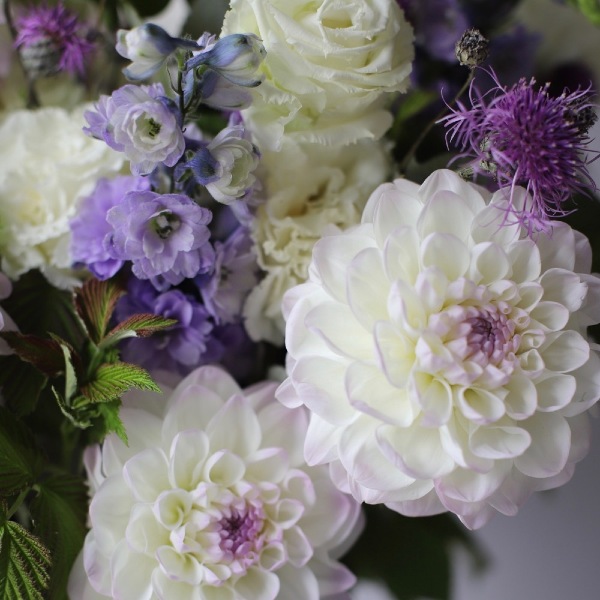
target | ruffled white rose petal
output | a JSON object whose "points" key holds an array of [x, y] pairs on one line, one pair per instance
{"points": [[443, 355], [212, 500]]}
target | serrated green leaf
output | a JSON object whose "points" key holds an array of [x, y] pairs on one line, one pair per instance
{"points": [[112, 380], [112, 422], [140, 325], [70, 376], [95, 302], [59, 514], [24, 564], [42, 353], [20, 459], [21, 384]]}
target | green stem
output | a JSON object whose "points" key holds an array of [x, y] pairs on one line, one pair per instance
{"points": [[17, 503], [411, 151]]}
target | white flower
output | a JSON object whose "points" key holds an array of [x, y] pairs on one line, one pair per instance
{"points": [[309, 189], [329, 67], [48, 165], [212, 500], [443, 356], [237, 159]]}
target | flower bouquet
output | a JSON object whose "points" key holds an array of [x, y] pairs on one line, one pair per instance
{"points": [[277, 278]]}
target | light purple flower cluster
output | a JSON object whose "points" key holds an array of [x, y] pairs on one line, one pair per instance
{"points": [[141, 122], [50, 40], [165, 236], [91, 233], [524, 136]]}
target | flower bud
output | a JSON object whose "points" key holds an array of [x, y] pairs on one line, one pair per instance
{"points": [[472, 48], [148, 47], [236, 57]]}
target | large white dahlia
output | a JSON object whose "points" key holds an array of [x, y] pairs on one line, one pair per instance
{"points": [[442, 353], [212, 500]]}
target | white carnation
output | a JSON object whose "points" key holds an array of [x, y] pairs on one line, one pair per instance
{"points": [[329, 67], [443, 355], [48, 165], [309, 189], [212, 500]]}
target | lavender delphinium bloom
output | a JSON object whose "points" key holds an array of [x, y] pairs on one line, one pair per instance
{"points": [[90, 231], [523, 136], [178, 349], [234, 275], [165, 236], [141, 122], [49, 40]]}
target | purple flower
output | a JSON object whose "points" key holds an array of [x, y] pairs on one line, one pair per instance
{"points": [[49, 40], [180, 348], [141, 122], [235, 274], [165, 236], [523, 136], [90, 231]]}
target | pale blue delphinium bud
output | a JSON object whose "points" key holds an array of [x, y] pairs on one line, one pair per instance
{"points": [[147, 47], [235, 57]]}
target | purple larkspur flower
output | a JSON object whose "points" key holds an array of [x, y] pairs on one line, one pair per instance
{"points": [[521, 135], [164, 235], [234, 275], [49, 40], [179, 348], [141, 122], [90, 231]]}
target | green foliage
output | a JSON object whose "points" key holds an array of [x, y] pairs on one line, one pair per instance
{"points": [[140, 325], [21, 384], [20, 459], [111, 381], [59, 516], [410, 555], [24, 564], [590, 8]]}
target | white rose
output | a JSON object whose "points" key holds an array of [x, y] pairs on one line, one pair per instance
{"points": [[329, 67], [48, 164], [309, 190]]}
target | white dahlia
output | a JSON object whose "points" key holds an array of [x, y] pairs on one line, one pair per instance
{"points": [[212, 500], [443, 353]]}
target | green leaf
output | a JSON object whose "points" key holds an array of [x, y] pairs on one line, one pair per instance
{"points": [[21, 384], [112, 380], [140, 325], [59, 514], [403, 552], [590, 8], [54, 314], [95, 302], [112, 422], [20, 459], [24, 564], [44, 354]]}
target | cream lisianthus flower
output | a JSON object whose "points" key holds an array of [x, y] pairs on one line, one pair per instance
{"points": [[329, 69], [309, 189], [48, 165], [443, 353], [212, 500]]}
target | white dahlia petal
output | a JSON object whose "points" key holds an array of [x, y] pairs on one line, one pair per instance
{"points": [[216, 503], [443, 353]]}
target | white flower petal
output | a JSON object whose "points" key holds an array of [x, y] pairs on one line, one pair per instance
{"points": [[498, 442], [555, 392], [446, 212], [525, 260], [131, 573], [565, 351], [136, 470], [188, 452]]}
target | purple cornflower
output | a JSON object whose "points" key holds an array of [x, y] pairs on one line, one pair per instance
{"points": [[91, 233], [49, 40], [523, 136], [235, 274], [165, 236], [180, 348], [141, 122]]}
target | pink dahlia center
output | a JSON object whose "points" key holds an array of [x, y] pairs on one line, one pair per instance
{"points": [[491, 337], [240, 530]]}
